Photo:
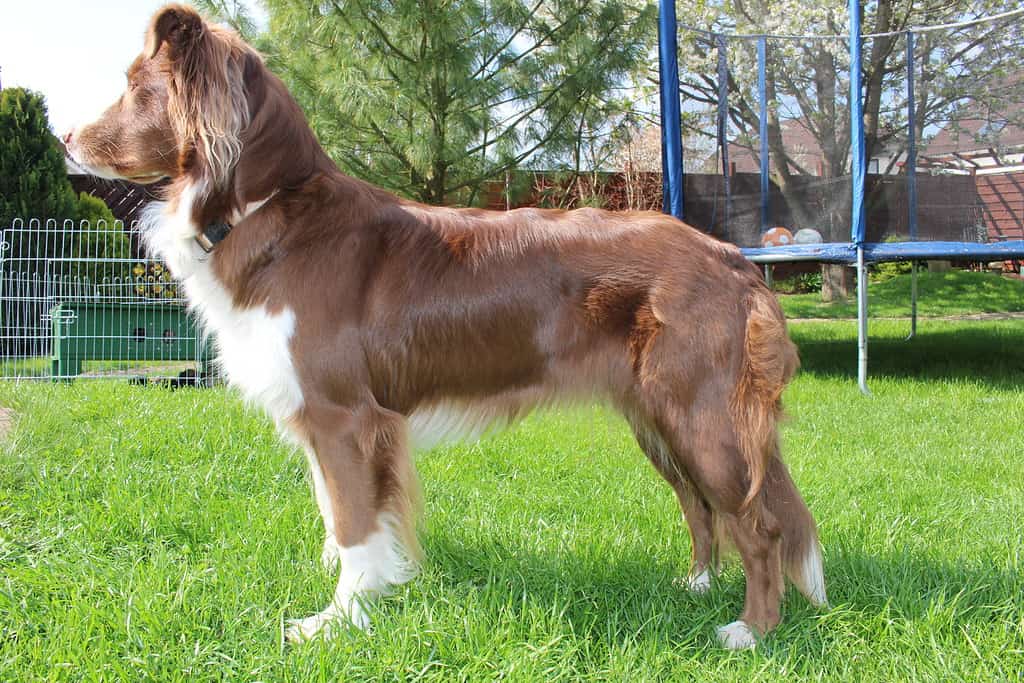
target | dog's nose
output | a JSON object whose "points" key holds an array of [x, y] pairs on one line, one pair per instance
{"points": [[68, 136]]}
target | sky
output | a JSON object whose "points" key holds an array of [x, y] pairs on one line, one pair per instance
{"points": [[74, 52]]}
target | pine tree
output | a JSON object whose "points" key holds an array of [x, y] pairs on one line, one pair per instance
{"points": [[432, 98], [34, 184], [33, 178]]}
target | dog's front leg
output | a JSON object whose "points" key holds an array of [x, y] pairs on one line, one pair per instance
{"points": [[365, 487], [330, 556]]}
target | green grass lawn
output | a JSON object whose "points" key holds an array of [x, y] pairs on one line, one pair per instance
{"points": [[956, 292], [34, 366], [147, 534], [42, 366]]}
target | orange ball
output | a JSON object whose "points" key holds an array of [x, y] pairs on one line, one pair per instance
{"points": [[777, 237]]}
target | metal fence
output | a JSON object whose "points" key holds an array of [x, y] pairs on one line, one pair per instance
{"points": [[80, 300]]}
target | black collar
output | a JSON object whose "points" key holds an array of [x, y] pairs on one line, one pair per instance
{"points": [[212, 235]]}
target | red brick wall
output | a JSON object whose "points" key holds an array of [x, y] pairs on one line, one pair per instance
{"points": [[1002, 199]]}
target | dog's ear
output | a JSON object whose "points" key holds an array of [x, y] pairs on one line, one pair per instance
{"points": [[206, 92], [178, 26]]}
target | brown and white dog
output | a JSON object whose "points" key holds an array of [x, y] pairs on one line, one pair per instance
{"points": [[355, 318]]}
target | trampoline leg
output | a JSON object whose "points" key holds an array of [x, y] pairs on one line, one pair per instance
{"points": [[862, 322], [913, 301], [769, 273]]}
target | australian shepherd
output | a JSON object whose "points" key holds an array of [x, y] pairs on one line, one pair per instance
{"points": [[365, 324]]}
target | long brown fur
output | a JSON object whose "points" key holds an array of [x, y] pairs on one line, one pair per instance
{"points": [[403, 310], [770, 361]]}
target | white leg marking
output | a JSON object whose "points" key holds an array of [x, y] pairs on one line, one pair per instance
{"points": [[814, 577], [330, 556], [368, 570], [696, 583], [736, 636]]}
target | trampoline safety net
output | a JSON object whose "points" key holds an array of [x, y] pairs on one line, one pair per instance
{"points": [[767, 134]]}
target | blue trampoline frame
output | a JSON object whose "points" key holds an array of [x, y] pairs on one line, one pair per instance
{"points": [[857, 252]]}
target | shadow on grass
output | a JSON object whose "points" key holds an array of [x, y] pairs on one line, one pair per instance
{"points": [[992, 353], [632, 600], [625, 599]]}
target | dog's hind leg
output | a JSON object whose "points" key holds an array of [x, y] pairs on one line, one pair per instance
{"points": [[721, 419], [372, 496], [709, 454], [758, 537], [801, 550], [699, 519], [696, 512]]}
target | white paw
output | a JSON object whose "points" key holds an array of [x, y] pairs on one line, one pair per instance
{"points": [[699, 583], [326, 624], [330, 557], [301, 630], [736, 636]]}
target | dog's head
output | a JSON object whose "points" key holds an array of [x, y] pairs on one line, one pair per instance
{"points": [[184, 108]]}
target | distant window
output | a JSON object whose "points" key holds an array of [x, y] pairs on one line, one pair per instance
{"points": [[874, 165], [991, 129]]}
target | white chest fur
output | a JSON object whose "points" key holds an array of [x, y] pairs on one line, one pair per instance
{"points": [[253, 345]]}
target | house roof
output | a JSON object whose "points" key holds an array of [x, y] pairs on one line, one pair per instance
{"points": [[124, 199], [803, 148], [982, 138], [975, 133]]}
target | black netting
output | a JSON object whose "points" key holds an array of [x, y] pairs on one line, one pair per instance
{"points": [[961, 180], [886, 141], [806, 86], [809, 132], [743, 144], [969, 106], [704, 191]]}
